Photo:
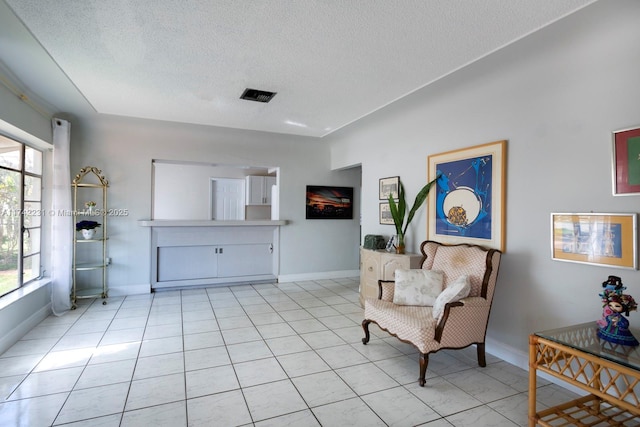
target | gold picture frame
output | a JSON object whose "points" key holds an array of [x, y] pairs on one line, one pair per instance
{"points": [[467, 202], [604, 239]]}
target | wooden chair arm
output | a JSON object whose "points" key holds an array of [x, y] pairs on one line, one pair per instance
{"points": [[474, 301], [464, 302], [385, 289]]}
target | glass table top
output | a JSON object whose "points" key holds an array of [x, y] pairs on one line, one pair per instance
{"points": [[584, 337]]}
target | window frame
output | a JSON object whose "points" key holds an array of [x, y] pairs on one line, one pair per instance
{"points": [[35, 253]]}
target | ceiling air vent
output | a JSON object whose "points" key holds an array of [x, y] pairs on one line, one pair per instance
{"points": [[257, 95]]}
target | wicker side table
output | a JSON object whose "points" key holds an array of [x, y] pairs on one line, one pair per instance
{"points": [[609, 372]]}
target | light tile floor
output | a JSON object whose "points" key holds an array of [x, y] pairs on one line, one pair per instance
{"points": [[251, 355]]}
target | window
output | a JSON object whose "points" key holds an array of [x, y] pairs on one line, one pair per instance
{"points": [[20, 214]]}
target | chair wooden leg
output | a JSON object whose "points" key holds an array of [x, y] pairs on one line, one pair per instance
{"points": [[365, 326], [482, 361], [424, 361]]}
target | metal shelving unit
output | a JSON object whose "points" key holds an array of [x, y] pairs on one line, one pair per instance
{"points": [[89, 262]]}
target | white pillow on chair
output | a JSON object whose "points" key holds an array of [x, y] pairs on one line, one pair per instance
{"points": [[456, 290], [417, 287]]}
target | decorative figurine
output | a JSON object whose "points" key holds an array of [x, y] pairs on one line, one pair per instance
{"points": [[613, 283], [613, 326]]}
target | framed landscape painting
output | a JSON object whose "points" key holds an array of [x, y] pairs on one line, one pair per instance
{"points": [[466, 204], [326, 202], [603, 239]]}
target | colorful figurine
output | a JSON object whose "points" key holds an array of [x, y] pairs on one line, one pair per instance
{"points": [[613, 283], [613, 326]]}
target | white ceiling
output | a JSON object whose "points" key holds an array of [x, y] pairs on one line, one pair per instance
{"points": [[331, 62]]}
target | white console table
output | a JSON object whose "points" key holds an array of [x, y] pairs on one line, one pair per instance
{"points": [[200, 253]]}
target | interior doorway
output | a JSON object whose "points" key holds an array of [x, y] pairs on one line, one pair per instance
{"points": [[227, 199]]}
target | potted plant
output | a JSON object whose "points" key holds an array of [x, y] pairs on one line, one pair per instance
{"points": [[90, 206], [399, 210], [88, 228]]}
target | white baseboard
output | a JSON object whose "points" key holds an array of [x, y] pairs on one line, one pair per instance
{"points": [[119, 291], [145, 288], [521, 359], [284, 278], [507, 353], [123, 291], [23, 327]]}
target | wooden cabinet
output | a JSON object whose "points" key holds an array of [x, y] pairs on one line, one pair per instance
{"points": [[381, 265], [258, 189]]}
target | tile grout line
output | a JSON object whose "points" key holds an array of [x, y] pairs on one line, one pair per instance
{"points": [[321, 291]]}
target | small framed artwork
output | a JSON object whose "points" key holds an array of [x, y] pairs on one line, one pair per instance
{"points": [[603, 239], [389, 186], [466, 204], [626, 162], [385, 214], [326, 202]]}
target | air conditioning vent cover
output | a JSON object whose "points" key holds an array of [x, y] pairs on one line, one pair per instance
{"points": [[257, 95]]}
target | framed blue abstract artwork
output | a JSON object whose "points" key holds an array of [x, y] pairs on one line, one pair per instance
{"points": [[467, 203], [604, 239]]}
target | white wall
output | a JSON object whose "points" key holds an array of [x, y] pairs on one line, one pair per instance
{"points": [[125, 148], [19, 121], [22, 116], [183, 190], [556, 96]]}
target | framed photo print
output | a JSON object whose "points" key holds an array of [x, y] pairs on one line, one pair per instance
{"points": [[389, 186], [466, 204], [603, 239], [385, 214], [626, 162], [325, 202]]}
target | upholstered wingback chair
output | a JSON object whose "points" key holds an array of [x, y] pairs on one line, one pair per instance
{"points": [[460, 322]]}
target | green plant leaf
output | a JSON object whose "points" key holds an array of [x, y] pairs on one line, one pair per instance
{"points": [[398, 210], [397, 219], [420, 198], [402, 207]]}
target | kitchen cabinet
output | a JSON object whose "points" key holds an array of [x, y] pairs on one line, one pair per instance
{"points": [[258, 189]]}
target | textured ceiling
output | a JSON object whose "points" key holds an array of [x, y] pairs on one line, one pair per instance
{"points": [[331, 62]]}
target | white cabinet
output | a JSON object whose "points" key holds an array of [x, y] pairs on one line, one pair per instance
{"points": [[245, 260], [258, 189], [202, 256], [381, 265], [210, 262], [186, 263]]}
